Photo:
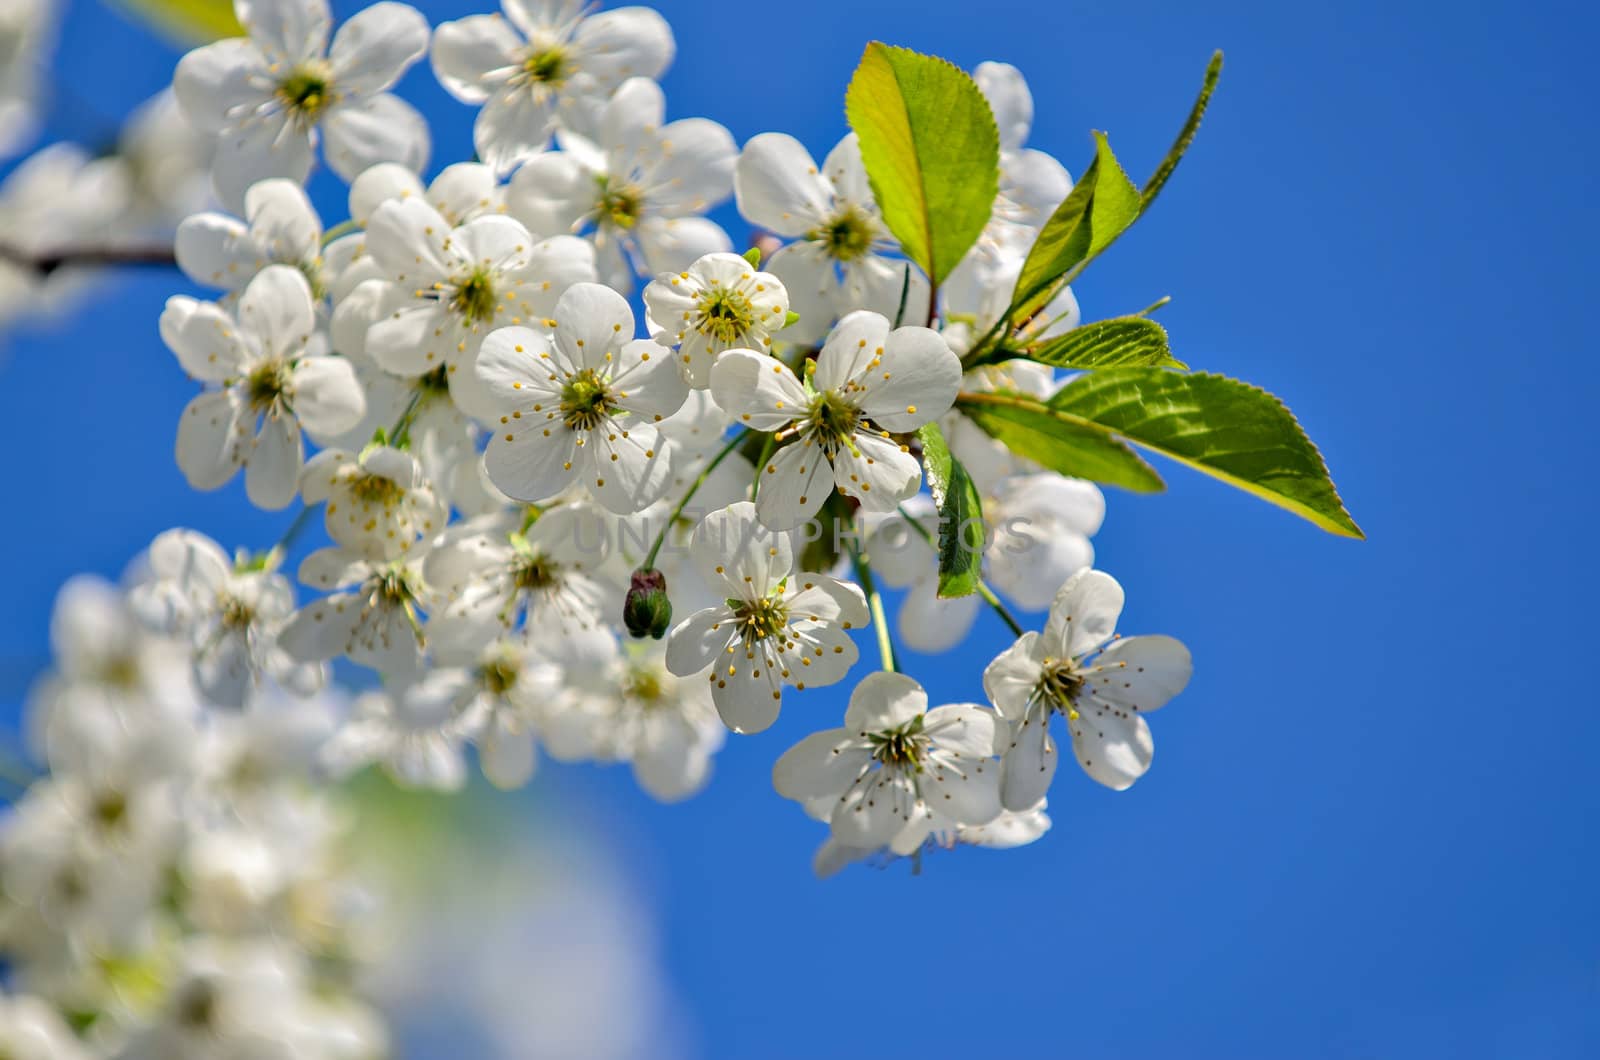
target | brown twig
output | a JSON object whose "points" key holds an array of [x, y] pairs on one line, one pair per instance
{"points": [[47, 262]]}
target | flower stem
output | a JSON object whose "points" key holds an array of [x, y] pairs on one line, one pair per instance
{"points": [[766, 454], [343, 228], [984, 591], [880, 621], [705, 473], [407, 414]]}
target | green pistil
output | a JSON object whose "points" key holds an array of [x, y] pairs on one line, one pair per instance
{"points": [[500, 675], [307, 92], [644, 686], [265, 384], [759, 620], [549, 66], [832, 422], [375, 489], [724, 315], [847, 235], [474, 300], [1059, 686], [904, 746], [585, 401], [534, 572], [619, 205]]}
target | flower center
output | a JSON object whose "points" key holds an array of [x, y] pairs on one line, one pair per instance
{"points": [[586, 401], [758, 620], [832, 422], [846, 235], [500, 675], [619, 204], [724, 314], [534, 572], [235, 613], [547, 66], [375, 489], [904, 746], [306, 92], [474, 300], [644, 686], [265, 384], [1058, 687], [109, 808]]}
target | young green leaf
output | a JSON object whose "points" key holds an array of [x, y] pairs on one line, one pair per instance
{"points": [[1191, 125], [1117, 343], [1103, 204], [1230, 430], [1100, 207], [188, 21], [961, 532], [931, 151], [1063, 443]]}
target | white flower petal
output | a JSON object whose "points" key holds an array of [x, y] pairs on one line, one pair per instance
{"points": [[737, 555], [1010, 679], [1007, 92], [276, 306], [1113, 748], [364, 131], [328, 399], [217, 81], [208, 439], [204, 338], [758, 391], [914, 382], [288, 30], [468, 49], [272, 465], [794, 485], [1083, 615], [823, 764], [1030, 763], [778, 186], [217, 251], [376, 45], [1140, 673], [884, 701], [880, 473], [263, 147]]}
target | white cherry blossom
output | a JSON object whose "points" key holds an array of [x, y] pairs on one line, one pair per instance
{"points": [[271, 382], [445, 288], [897, 771], [840, 260], [776, 627], [578, 404], [870, 383], [281, 227], [1102, 686], [545, 66], [493, 576], [378, 502], [370, 614], [721, 302], [229, 612], [268, 97], [637, 187]]}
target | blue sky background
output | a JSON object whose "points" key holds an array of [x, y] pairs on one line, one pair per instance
{"points": [[1364, 834]]}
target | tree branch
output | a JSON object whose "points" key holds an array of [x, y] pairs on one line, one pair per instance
{"points": [[49, 261]]}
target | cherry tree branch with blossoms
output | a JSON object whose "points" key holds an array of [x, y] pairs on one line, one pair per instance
{"points": [[564, 527]]}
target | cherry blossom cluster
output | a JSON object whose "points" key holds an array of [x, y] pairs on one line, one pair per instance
{"points": [[596, 486]]}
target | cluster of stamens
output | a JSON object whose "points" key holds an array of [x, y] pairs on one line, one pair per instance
{"points": [[267, 382], [725, 314], [618, 204], [905, 746], [831, 422], [306, 93], [586, 401], [760, 620], [846, 235], [474, 298], [1059, 685]]}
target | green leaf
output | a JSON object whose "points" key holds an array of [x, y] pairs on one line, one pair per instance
{"points": [[1032, 429], [1103, 204], [931, 150], [1191, 125], [1230, 430], [1100, 208], [961, 532], [189, 21], [1116, 343]]}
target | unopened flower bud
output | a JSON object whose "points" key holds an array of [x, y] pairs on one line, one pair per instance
{"points": [[647, 611]]}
